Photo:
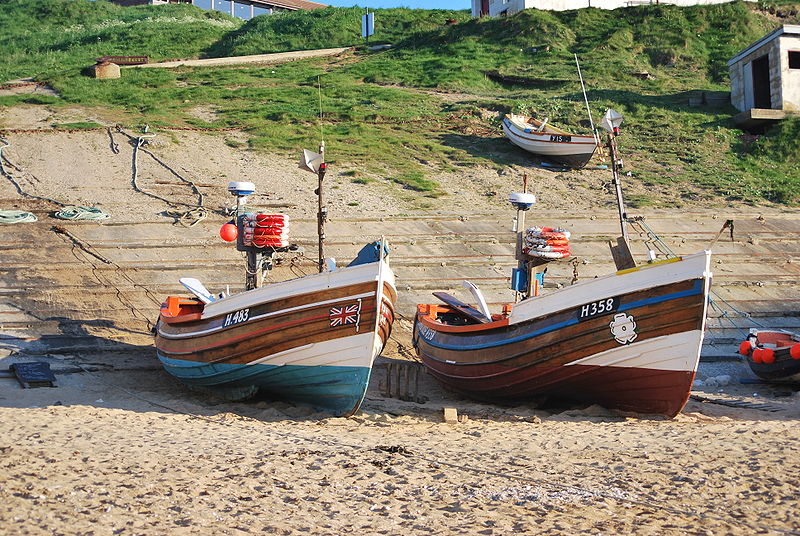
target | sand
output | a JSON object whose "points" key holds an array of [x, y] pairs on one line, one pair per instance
{"points": [[103, 454], [119, 447]]}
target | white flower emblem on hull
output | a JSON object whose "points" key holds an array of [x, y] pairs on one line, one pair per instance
{"points": [[623, 328]]}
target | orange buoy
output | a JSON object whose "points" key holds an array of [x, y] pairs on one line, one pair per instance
{"points": [[228, 232], [767, 356], [757, 355], [745, 348], [794, 351]]}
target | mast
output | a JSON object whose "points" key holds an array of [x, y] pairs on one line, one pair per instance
{"points": [[621, 251], [616, 164], [315, 163], [322, 213], [586, 101]]}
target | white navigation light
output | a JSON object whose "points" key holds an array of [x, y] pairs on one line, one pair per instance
{"points": [[311, 161], [522, 201], [241, 188], [611, 121]]}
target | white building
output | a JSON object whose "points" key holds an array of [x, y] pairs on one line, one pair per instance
{"points": [[767, 73], [494, 8]]}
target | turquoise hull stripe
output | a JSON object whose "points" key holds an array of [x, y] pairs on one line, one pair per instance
{"points": [[696, 289], [339, 390]]}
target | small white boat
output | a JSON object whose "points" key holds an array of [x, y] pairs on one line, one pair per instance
{"points": [[547, 141]]}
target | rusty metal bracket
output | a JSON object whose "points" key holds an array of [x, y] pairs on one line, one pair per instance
{"points": [[727, 225]]}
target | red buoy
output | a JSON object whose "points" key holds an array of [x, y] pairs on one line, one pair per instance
{"points": [[745, 348], [768, 356], [794, 351], [757, 355], [228, 232]]}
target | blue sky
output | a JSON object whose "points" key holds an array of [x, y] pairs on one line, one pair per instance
{"points": [[419, 4]]}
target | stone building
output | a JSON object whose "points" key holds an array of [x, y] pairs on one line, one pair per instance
{"points": [[765, 77]]}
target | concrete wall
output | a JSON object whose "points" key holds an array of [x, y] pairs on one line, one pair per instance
{"points": [[790, 78], [509, 7], [784, 83]]}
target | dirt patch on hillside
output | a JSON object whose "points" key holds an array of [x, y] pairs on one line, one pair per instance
{"points": [[216, 158]]}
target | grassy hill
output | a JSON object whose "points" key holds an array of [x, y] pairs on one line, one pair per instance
{"points": [[427, 104]]}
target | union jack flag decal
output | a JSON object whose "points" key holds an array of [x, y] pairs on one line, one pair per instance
{"points": [[349, 314]]}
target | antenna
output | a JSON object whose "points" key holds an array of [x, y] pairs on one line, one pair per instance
{"points": [[315, 163], [319, 87], [586, 100]]}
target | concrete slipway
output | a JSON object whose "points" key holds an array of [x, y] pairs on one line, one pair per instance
{"points": [[88, 293]]}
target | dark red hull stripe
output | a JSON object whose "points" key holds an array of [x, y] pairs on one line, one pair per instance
{"points": [[662, 392]]}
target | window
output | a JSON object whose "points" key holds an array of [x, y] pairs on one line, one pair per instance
{"points": [[794, 59]]}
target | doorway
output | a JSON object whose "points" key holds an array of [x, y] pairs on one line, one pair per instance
{"points": [[762, 97]]}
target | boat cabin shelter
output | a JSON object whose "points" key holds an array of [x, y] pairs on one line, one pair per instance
{"points": [[765, 79]]}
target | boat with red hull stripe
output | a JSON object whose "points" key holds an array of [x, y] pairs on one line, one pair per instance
{"points": [[640, 354]]}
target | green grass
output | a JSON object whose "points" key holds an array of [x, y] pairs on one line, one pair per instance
{"points": [[382, 111], [79, 125]]}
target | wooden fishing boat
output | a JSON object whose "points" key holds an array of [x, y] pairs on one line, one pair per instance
{"points": [[773, 355], [310, 340], [629, 340], [543, 139]]}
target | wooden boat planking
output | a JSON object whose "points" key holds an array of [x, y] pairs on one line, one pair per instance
{"points": [[278, 327], [286, 346], [553, 353]]}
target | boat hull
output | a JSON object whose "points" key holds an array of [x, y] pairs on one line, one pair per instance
{"points": [[568, 149], [311, 340], [784, 369], [639, 354]]}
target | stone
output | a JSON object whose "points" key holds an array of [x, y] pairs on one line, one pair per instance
{"points": [[106, 69]]}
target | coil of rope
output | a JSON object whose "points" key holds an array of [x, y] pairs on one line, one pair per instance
{"points": [[10, 217], [81, 213]]}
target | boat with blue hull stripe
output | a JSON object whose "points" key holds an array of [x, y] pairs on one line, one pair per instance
{"points": [[696, 289]]}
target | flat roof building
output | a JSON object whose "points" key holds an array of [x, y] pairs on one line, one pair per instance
{"points": [[765, 77]]}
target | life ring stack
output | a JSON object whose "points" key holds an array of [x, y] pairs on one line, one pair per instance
{"points": [[265, 230], [546, 242]]}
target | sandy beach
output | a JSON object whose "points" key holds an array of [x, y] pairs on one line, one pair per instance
{"points": [[133, 453], [119, 447]]}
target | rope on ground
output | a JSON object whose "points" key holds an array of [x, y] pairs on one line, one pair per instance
{"points": [[188, 218], [6, 174], [114, 145], [81, 213], [122, 296], [10, 217]]}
